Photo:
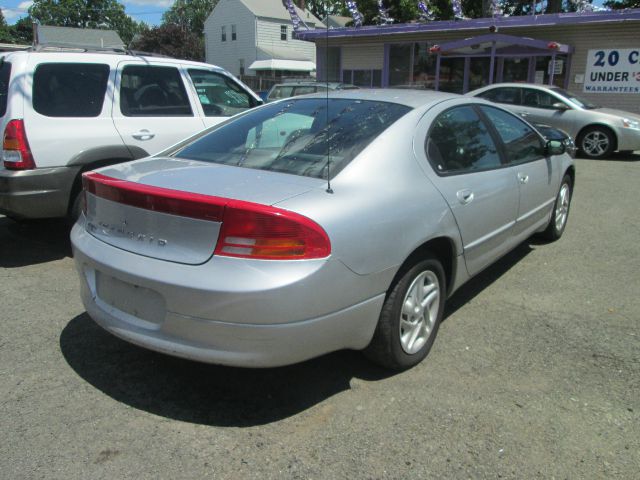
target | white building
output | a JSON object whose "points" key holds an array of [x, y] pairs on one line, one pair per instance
{"points": [[255, 37]]}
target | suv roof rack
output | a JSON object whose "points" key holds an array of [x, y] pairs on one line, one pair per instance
{"points": [[75, 48]]}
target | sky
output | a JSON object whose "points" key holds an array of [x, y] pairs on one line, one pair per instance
{"points": [[148, 11]]}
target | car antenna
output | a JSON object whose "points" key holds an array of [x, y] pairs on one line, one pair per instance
{"points": [[326, 79]]}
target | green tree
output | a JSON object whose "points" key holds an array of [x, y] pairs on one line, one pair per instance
{"points": [[171, 40], [107, 14], [20, 32], [190, 14]]}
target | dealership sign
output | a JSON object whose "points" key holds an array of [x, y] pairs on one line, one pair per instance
{"points": [[613, 71]]}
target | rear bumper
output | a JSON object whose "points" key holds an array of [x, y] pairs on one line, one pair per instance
{"points": [[38, 193], [228, 311], [628, 139]]}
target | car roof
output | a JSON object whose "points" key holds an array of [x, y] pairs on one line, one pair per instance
{"points": [[410, 98], [516, 84], [107, 57]]}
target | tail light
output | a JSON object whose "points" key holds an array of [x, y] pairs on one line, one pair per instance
{"points": [[16, 154], [249, 230]]}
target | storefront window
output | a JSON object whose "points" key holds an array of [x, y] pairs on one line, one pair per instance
{"points": [[452, 75], [399, 65], [515, 69], [479, 69], [424, 66], [412, 64]]}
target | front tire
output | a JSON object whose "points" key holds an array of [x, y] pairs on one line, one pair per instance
{"points": [[410, 317], [596, 142], [560, 214]]}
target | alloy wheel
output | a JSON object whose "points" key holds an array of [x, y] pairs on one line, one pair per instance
{"points": [[419, 312]]}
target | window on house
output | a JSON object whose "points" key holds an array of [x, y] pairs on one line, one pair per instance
{"points": [[242, 66], [233, 32], [224, 33], [283, 32]]}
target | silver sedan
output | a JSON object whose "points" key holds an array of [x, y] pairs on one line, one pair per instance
{"points": [[597, 131], [315, 224]]}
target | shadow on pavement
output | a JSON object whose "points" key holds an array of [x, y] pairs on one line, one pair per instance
{"points": [[615, 157], [481, 281], [33, 242], [202, 393], [224, 396]]}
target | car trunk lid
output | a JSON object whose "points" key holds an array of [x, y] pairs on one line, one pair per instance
{"points": [[173, 209]]}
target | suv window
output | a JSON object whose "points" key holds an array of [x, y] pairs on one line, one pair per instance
{"points": [[537, 99], [218, 94], [5, 75], [522, 143], [510, 95], [151, 91], [459, 142], [70, 89], [298, 136]]}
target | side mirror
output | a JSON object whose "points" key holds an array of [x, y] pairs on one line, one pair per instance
{"points": [[560, 106], [555, 147]]}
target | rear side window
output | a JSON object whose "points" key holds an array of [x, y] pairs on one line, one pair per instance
{"points": [[537, 99], [219, 95], [70, 89], [509, 95], [459, 142], [150, 91], [5, 75], [297, 137]]}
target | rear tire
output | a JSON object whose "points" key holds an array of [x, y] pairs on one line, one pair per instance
{"points": [[410, 317], [76, 208], [560, 213]]}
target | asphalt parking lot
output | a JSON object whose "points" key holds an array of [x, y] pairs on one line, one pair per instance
{"points": [[535, 374]]}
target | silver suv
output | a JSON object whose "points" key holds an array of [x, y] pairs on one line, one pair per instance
{"points": [[63, 113]]}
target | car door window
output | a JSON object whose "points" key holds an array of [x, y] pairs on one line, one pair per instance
{"points": [[70, 89], [537, 99], [508, 95], [152, 91], [219, 95], [522, 144], [459, 142]]}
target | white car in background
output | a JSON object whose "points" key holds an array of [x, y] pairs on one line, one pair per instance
{"points": [[64, 113], [597, 131]]}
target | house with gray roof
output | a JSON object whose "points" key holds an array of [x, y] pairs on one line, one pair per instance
{"points": [[70, 37], [255, 37]]}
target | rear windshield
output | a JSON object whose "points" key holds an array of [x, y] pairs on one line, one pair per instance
{"points": [[297, 136], [5, 75], [69, 89]]}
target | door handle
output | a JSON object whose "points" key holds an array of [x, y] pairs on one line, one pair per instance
{"points": [[465, 196], [143, 135], [523, 178]]}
